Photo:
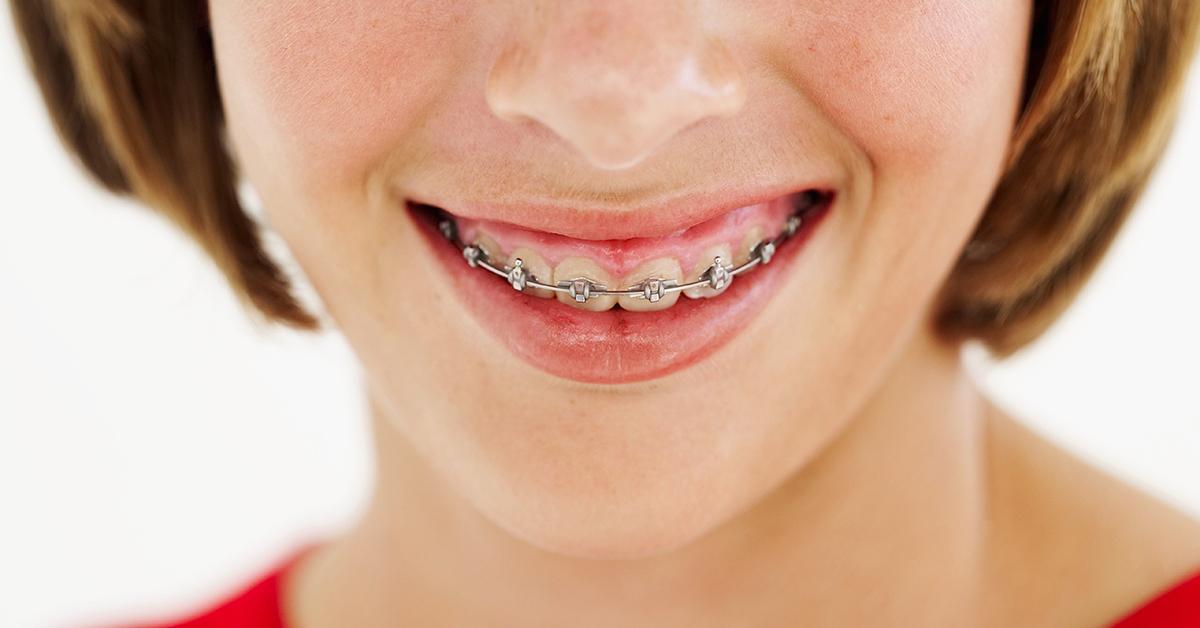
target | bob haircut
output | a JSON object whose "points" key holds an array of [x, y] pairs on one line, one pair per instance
{"points": [[131, 88]]}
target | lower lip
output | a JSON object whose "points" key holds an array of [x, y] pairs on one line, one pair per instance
{"points": [[615, 346]]}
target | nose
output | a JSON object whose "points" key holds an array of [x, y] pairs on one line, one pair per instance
{"points": [[614, 78]]}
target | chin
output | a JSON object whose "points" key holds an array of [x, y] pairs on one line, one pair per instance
{"points": [[623, 482], [628, 523]]}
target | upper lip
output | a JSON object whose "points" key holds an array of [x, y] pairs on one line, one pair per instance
{"points": [[613, 222]]}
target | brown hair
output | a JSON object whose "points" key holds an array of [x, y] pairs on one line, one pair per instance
{"points": [[131, 87]]}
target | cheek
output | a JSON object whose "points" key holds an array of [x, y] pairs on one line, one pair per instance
{"points": [[928, 91], [325, 89], [912, 81]]}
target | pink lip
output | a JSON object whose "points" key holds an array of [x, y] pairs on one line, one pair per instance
{"points": [[615, 346]]}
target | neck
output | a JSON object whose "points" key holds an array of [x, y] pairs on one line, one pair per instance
{"points": [[861, 533]]}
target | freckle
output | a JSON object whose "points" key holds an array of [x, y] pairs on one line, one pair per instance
{"points": [[889, 118]]}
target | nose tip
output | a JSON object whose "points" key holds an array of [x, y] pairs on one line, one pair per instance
{"points": [[615, 85]]}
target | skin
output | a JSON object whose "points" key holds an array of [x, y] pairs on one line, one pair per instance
{"points": [[861, 478]]}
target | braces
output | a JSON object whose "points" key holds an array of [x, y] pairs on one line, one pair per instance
{"points": [[717, 276]]}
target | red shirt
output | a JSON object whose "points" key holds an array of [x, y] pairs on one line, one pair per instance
{"points": [[256, 606], [259, 607], [1177, 607]]}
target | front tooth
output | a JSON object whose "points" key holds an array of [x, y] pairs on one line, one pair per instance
{"points": [[752, 238], [664, 268], [576, 267], [702, 264], [535, 265]]}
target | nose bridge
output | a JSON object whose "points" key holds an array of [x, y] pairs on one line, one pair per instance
{"points": [[614, 78]]}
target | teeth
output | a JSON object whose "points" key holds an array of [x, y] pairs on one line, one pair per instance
{"points": [[705, 260], [752, 237], [490, 246], [576, 267], [661, 268], [536, 266]]}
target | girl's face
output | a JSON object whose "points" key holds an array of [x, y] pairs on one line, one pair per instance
{"points": [[617, 141]]}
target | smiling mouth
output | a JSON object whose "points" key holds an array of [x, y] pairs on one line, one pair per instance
{"points": [[609, 311], [655, 283]]}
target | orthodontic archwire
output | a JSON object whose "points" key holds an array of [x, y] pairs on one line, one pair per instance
{"points": [[717, 276]]}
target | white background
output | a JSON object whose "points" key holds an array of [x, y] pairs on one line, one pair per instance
{"points": [[156, 448]]}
